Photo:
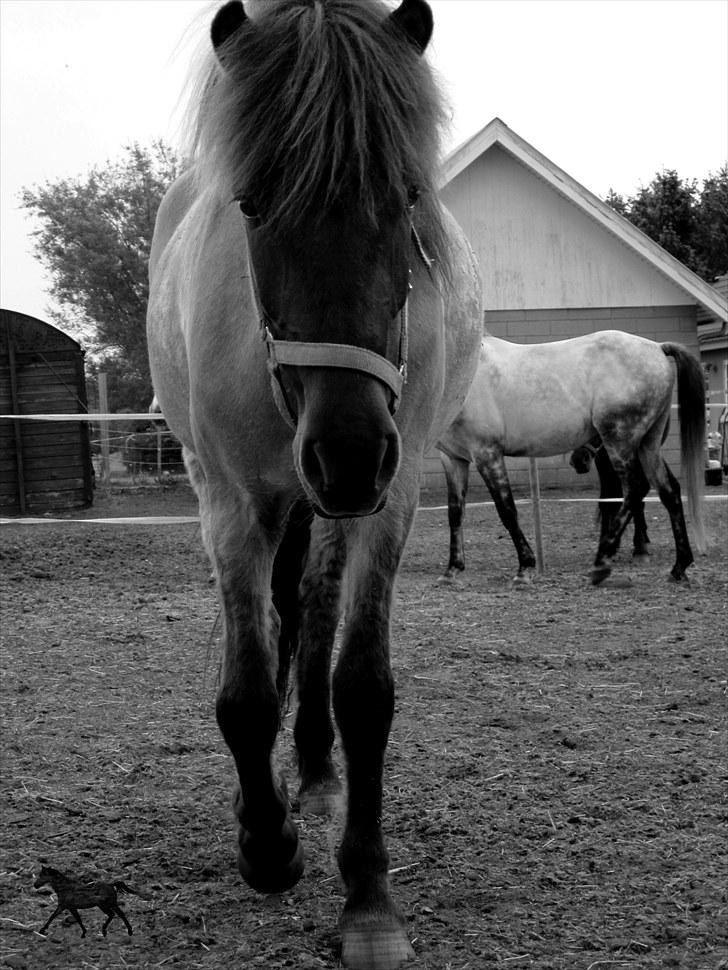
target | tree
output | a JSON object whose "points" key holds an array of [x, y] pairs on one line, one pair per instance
{"points": [[94, 238], [711, 234], [689, 223]]}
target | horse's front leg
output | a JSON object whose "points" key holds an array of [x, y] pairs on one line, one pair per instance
{"points": [[320, 789], [456, 476], [270, 857], [373, 935], [492, 467], [58, 910]]}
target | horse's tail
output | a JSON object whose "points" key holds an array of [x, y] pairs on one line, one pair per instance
{"points": [[121, 887], [691, 405]]}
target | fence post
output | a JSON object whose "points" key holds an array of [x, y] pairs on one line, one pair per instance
{"points": [[158, 429], [536, 502], [104, 430]]}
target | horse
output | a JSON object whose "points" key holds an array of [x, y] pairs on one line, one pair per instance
{"points": [[307, 353], [79, 893], [549, 398]]}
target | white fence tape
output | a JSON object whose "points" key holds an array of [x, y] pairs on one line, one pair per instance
{"points": [[194, 520]]}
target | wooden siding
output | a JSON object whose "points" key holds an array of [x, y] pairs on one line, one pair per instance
{"points": [[44, 465], [675, 324], [537, 250]]}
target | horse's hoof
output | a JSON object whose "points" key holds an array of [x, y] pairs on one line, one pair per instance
{"points": [[375, 945], [270, 876], [324, 798], [599, 574], [681, 579], [524, 577]]}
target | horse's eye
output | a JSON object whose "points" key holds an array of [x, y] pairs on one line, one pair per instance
{"points": [[247, 207], [413, 195]]}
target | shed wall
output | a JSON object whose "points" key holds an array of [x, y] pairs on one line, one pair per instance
{"points": [[44, 465], [537, 250]]}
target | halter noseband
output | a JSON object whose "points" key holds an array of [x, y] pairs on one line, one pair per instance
{"points": [[345, 356]]}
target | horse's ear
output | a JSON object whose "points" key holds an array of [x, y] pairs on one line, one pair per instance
{"points": [[414, 17], [227, 20]]}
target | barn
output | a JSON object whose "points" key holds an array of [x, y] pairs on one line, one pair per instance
{"points": [[44, 465], [558, 262]]}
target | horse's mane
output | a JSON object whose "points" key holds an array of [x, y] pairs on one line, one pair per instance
{"points": [[319, 101]]}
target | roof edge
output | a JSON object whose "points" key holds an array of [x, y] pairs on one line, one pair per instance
{"points": [[497, 132]]}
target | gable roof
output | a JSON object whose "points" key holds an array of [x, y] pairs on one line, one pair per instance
{"points": [[498, 133]]}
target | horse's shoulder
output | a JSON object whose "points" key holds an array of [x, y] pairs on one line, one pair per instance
{"points": [[176, 203]]}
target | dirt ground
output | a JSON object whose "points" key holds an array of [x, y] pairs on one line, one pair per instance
{"points": [[555, 781]]}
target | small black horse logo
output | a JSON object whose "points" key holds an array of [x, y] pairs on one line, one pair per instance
{"points": [[74, 894]]}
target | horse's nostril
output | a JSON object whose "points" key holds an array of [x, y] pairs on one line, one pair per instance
{"points": [[311, 466], [390, 459]]}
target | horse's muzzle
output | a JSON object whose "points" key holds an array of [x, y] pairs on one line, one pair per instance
{"points": [[346, 477]]}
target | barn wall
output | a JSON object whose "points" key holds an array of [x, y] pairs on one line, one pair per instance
{"points": [[676, 324], [48, 463], [538, 250]]}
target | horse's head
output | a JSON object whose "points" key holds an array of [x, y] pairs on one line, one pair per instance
{"points": [[44, 877], [335, 142]]}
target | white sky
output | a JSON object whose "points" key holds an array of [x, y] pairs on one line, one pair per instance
{"points": [[612, 91]]}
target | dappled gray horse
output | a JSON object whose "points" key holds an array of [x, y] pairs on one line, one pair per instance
{"points": [[548, 399]]}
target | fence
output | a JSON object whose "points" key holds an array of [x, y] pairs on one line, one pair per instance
{"points": [[143, 445], [154, 444]]}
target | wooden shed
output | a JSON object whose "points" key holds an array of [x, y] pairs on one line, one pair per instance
{"points": [[558, 262], [44, 465]]}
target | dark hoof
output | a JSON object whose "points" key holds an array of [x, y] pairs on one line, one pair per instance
{"points": [[268, 874], [524, 577], [599, 574], [681, 578]]}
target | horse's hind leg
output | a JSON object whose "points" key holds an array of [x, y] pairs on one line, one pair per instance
{"points": [[641, 539], [456, 477], [633, 482], [372, 932], [270, 858], [115, 910], [668, 488], [314, 732], [610, 487], [492, 467]]}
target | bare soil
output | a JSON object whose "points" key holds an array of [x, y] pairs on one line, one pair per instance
{"points": [[555, 782]]}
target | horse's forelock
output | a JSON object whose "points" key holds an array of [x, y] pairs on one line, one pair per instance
{"points": [[318, 101]]}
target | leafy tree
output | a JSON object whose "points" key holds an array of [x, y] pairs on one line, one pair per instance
{"points": [[711, 233], [617, 202], [689, 223], [94, 238]]}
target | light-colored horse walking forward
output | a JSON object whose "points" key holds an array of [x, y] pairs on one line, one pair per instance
{"points": [[306, 379], [551, 398]]}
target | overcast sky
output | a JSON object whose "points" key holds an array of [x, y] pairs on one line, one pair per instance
{"points": [[612, 91]]}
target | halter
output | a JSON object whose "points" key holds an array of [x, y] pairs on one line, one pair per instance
{"points": [[345, 356]]}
